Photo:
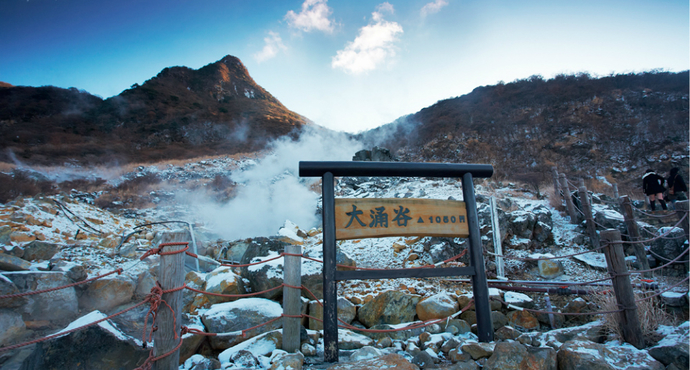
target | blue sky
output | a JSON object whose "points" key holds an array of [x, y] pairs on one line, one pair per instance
{"points": [[346, 65]]}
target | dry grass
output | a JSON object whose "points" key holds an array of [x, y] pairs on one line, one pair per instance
{"points": [[650, 313]]}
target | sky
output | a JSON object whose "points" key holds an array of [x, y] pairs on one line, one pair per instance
{"points": [[346, 65]]}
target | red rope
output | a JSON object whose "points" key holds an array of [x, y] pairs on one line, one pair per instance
{"points": [[119, 271], [158, 250], [233, 295]]}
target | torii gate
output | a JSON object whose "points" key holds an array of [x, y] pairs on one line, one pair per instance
{"points": [[445, 218]]}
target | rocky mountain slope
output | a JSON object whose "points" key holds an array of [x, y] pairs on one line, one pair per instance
{"points": [[180, 113], [615, 126], [49, 241]]}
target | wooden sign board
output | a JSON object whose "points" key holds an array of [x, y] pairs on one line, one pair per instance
{"points": [[358, 218]]}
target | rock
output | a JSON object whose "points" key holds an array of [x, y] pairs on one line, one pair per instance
{"points": [[207, 264], [498, 319], [348, 339], [450, 344], [464, 365], [199, 362], [108, 292], [12, 327], [100, 346], [145, 282], [293, 361], [543, 233], [673, 348], [244, 359], [347, 311], [390, 307], [11, 263], [674, 299], [391, 361], [7, 287], [521, 223], [548, 269], [364, 353], [610, 219], [478, 350], [38, 250], [470, 317], [56, 305], [260, 345], [438, 306], [515, 356], [424, 360], [670, 246], [506, 332], [594, 260], [384, 342], [457, 355], [581, 354], [265, 276], [307, 349], [221, 281], [518, 299], [21, 237], [5, 232], [237, 316], [523, 319], [462, 325], [73, 271]]}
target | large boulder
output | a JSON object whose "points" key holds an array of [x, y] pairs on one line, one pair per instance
{"points": [[523, 319], [586, 355], [11, 327], [108, 292], [7, 287], [219, 281], [100, 346], [265, 276], [348, 339], [233, 317], [261, 345], [610, 219], [9, 262], [438, 306], [515, 356], [390, 307], [60, 304], [521, 223], [346, 312], [38, 250], [5, 232], [670, 246], [673, 348]]}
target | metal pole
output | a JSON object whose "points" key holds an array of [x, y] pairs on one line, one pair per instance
{"points": [[480, 288], [498, 247], [330, 299]]}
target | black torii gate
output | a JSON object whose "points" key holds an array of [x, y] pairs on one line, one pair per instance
{"points": [[328, 170]]}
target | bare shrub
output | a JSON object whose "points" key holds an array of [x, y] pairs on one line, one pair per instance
{"points": [[650, 314], [20, 183]]}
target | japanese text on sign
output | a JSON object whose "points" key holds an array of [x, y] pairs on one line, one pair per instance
{"points": [[363, 218]]}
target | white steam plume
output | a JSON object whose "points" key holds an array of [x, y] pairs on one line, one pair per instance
{"points": [[271, 191]]}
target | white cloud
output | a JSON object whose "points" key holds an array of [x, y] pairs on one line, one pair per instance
{"points": [[314, 16], [274, 44], [374, 44], [433, 7]]}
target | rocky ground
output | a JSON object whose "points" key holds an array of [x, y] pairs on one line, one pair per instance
{"points": [[50, 241]]}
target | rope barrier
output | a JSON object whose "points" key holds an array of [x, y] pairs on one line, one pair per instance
{"points": [[662, 266], [8, 296], [66, 210], [549, 258], [556, 313], [663, 291]]}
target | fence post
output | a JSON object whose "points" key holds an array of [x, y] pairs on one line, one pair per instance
{"points": [[568, 199], [291, 298], [615, 190], [587, 210], [634, 233], [615, 259], [682, 210], [171, 275], [554, 174]]}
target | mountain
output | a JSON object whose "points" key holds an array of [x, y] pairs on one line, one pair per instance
{"points": [[615, 126], [179, 113]]}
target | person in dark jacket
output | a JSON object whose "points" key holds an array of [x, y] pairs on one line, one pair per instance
{"points": [[653, 186], [676, 186]]}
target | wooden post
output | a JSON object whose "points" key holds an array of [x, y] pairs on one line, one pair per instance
{"points": [[587, 210], [615, 259], [498, 247], [615, 190], [554, 174], [171, 275], [292, 275], [633, 232], [682, 210], [330, 292], [568, 199]]}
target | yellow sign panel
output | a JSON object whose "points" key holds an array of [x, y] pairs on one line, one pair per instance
{"points": [[357, 218]]}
